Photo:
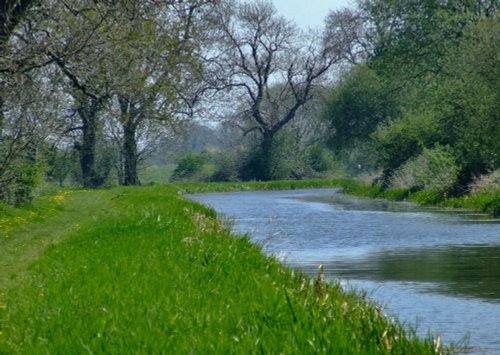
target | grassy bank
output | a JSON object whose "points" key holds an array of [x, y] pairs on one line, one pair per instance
{"points": [[191, 188], [143, 270], [485, 202]]}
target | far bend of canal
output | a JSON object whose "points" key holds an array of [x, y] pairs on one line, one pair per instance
{"points": [[434, 270]]}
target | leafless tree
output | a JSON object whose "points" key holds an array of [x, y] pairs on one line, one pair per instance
{"points": [[347, 33], [270, 67]]}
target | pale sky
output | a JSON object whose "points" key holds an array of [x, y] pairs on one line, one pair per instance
{"points": [[309, 13]]}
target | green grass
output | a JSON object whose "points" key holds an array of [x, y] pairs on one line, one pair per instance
{"points": [[488, 201], [143, 270], [485, 202], [156, 174]]}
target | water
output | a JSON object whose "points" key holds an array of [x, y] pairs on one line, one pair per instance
{"points": [[435, 270]]}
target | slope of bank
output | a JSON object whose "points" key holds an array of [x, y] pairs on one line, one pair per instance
{"points": [[143, 270], [485, 202]]}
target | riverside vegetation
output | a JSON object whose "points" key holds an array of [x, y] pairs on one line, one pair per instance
{"points": [[144, 270]]}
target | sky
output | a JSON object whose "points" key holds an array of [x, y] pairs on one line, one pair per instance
{"points": [[309, 13]]}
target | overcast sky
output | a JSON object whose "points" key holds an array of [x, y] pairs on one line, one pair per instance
{"points": [[309, 13]]}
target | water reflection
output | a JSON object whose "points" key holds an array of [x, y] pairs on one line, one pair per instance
{"points": [[464, 271]]}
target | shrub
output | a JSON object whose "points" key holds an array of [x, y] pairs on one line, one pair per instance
{"points": [[435, 170], [189, 167], [320, 159], [225, 165], [486, 182], [19, 182]]}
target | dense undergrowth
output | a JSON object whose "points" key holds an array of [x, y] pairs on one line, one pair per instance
{"points": [[143, 270]]}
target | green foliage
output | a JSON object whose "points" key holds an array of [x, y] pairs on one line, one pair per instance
{"points": [[422, 34], [191, 166], [406, 137], [442, 59], [226, 166], [360, 159], [434, 170], [165, 274], [61, 164], [20, 181], [280, 159], [486, 183], [355, 107], [320, 159], [487, 201], [469, 102]]}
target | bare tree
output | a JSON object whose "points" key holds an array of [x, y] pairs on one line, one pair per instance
{"points": [[269, 66], [347, 33]]}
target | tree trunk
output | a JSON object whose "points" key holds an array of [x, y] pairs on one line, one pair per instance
{"points": [[88, 113], [130, 120], [130, 176], [2, 117], [264, 172]]}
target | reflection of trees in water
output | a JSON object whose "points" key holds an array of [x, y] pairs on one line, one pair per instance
{"points": [[470, 271]]}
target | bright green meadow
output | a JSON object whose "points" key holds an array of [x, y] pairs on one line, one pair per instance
{"points": [[144, 270]]}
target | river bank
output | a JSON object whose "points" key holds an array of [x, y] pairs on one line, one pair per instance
{"points": [[431, 268], [143, 270], [485, 202]]}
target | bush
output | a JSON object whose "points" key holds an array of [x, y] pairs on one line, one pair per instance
{"points": [[19, 182], [226, 166], [486, 182], [320, 159], [434, 170], [192, 167]]}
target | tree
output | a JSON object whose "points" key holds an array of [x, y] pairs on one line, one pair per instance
{"points": [[11, 13], [261, 50], [161, 51], [413, 38], [467, 104], [356, 106], [438, 56]]}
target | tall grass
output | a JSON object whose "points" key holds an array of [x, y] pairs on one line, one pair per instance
{"points": [[155, 273]]}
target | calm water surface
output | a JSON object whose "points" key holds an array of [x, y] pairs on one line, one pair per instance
{"points": [[437, 271]]}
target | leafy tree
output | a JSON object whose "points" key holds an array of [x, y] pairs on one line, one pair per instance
{"points": [[468, 103], [356, 106], [442, 59], [413, 38]]}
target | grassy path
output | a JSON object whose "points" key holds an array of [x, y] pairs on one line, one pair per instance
{"points": [[53, 219], [142, 270]]}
